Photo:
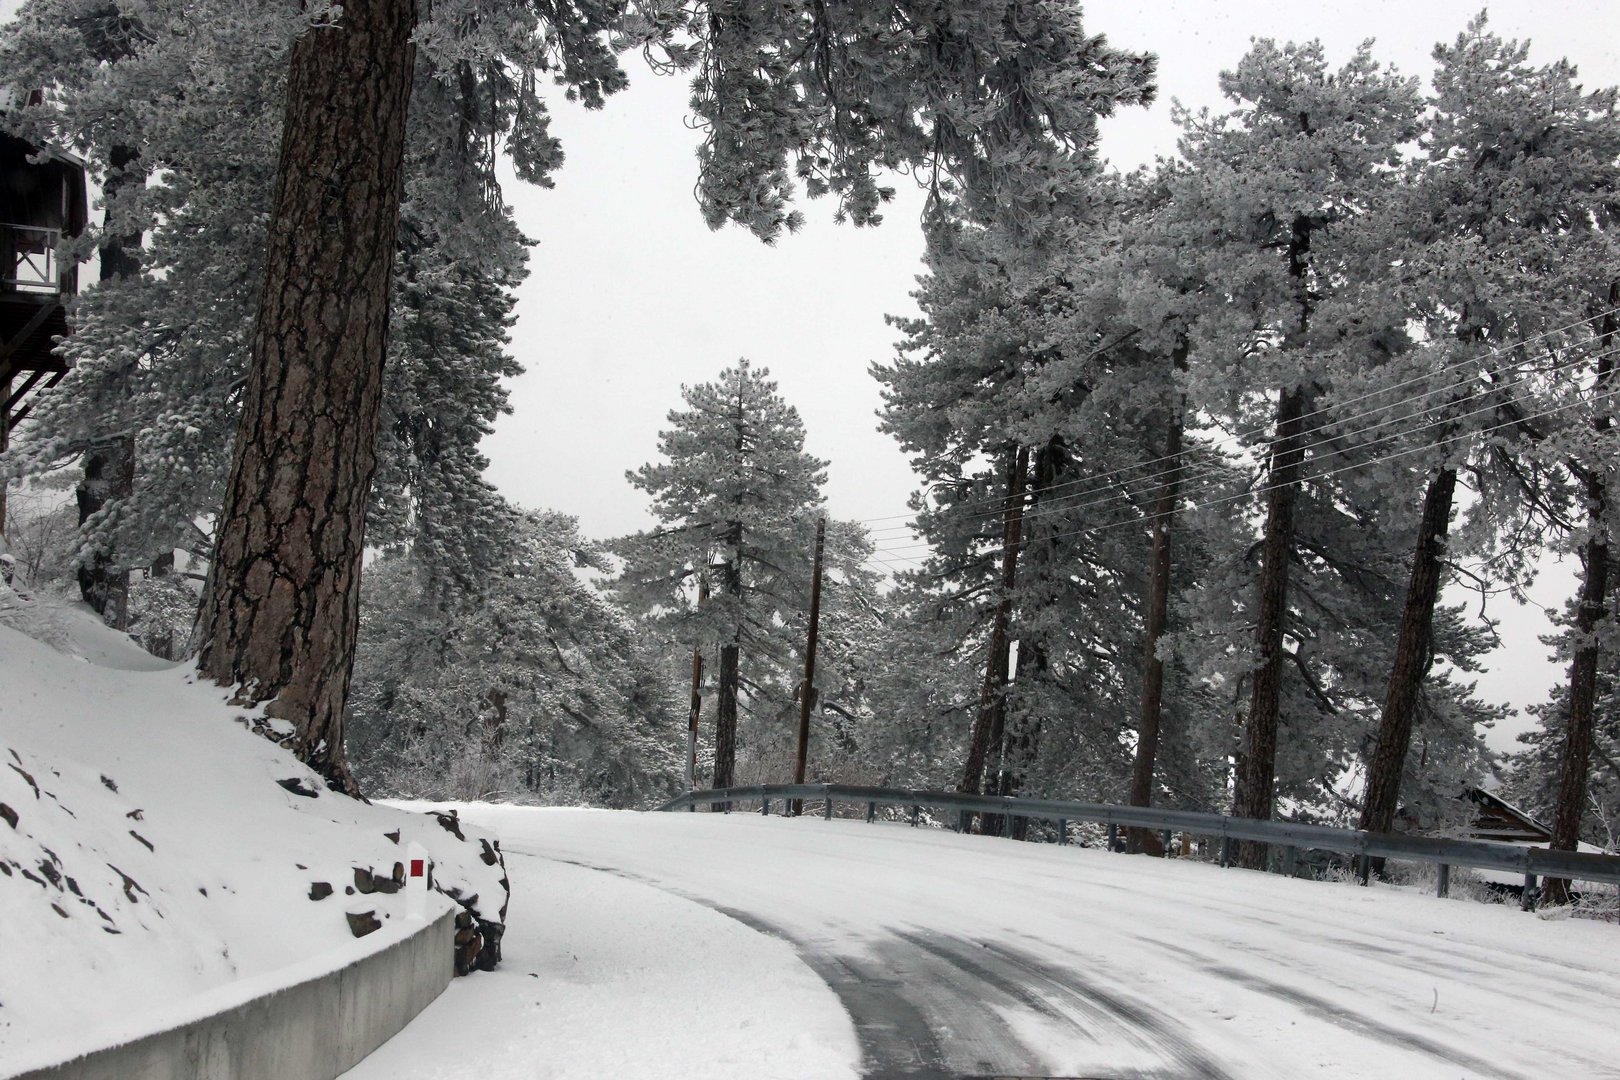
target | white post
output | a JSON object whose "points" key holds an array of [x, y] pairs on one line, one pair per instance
{"points": [[418, 868]]}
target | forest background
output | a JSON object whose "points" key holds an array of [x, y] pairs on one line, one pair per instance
{"points": [[631, 299]]}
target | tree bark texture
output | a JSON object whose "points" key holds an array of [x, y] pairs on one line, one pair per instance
{"points": [[990, 721], [1575, 756], [1413, 656], [696, 707], [807, 692], [5, 442], [1252, 797], [725, 719], [1257, 764], [109, 470], [109, 476], [725, 711], [1155, 618], [283, 596]]}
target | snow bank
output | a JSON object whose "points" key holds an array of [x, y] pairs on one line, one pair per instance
{"points": [[157, 858]]}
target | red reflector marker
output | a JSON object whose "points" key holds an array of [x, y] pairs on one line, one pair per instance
{"points": [[417, 867]]}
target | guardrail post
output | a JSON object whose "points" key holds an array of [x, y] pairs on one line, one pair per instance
{"points": [[1113, 837], [1528, 901], [1165, 846], [765, 807], [827, 813], [1443, 888], [1290, 861], [1063, 831], [871, 812], [1363, 867], [914, 809], [1226, 851]]}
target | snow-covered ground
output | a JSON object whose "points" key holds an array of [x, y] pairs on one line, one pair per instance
{"points": [[655, 948], [153, 868]]}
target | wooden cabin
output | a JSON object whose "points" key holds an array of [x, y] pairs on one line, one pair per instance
{"points": [[42, 200]]}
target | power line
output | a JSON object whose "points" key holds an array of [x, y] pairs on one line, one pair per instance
{"points": [[1123, 491], [1342, 469], [1065, 504], [1472, 361]]}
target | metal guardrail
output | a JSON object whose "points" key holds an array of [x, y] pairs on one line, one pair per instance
{"points": [[1291, 836]]}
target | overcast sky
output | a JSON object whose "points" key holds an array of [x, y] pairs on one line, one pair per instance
{"points": [[631, 296]]}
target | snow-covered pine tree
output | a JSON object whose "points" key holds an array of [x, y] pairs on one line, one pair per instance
{"points": [[1016, 361], [535, 687], [161, 356], [1002, 98], [1305, 148], [736, 497], [1500, 260]]}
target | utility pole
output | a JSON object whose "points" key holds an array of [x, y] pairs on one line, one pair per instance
{"points": [[808, 691], [697, 701]]}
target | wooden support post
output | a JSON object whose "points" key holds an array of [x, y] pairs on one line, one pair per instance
{"points": [[1063, 831], [1165, 845], [807, 691], [1442, 888], [871, 812], [828, 812], [1113, 837], [1290, 861], [765, 807], [914, 809], [1226, 851], [1363, 867], [1527, 902]]}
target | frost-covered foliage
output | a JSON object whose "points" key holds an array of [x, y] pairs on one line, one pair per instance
{"points": [[533, 689], [1380, 265], [1531, 775], [727, 571], [160, 355]]}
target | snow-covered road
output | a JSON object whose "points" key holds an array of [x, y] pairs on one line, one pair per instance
{"points": [[970, 956]]}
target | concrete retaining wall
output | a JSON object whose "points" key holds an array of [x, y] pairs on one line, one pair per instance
{"points": [[314, 1030]]}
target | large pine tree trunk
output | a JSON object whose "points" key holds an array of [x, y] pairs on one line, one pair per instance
{"points": [[283, 598], [991, 719], [1257, 763], [109, 470], [1155, 618], [725, 718], [1575, 756], [726, 690], [1413, 656], [1252, 797]]}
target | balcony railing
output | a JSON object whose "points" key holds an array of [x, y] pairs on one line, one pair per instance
{"points": [[28, 260]]}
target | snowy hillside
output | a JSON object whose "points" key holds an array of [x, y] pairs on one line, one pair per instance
{"points": [[156, 855]]}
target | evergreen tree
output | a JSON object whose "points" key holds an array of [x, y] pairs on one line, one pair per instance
{"points": [[736, 497], [1306, 149], [1023, 379], [883, 86], [536, 687], [1497, 249]]}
